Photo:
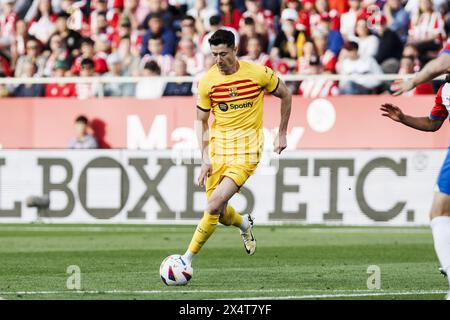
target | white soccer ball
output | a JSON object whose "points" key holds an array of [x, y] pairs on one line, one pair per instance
{"points": [[175, 271]]}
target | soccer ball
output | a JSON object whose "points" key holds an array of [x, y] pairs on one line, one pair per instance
{"points": [[175, 271]]}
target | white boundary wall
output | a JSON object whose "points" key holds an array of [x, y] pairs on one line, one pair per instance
{"points": [[344, 187]]}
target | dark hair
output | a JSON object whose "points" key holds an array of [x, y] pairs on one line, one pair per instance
{"points": [[152, 66], [249, 21], [153, 15], [222, 37], [215, 20], [63, 14], [188, 17], [87, 41], [87, 62], [156, 37], [81, 119], [351, 46]]}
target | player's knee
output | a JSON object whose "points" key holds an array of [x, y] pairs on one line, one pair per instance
{"points": [[215, 206]]}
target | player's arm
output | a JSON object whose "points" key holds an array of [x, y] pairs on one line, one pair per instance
{"points": [[419, 123], [202, 129], [431, 70], [283, 93]]}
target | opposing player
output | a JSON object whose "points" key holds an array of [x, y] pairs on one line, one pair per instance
{"points": [[233, 91], [431, 70], [440, 209]]}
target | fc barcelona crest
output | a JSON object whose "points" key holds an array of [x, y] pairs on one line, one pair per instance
{"points": [[233, 92]]}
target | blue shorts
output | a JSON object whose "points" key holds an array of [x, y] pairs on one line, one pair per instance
{"points": [[443, 181]]}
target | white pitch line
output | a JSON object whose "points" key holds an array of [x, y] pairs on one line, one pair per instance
{"points": [[341, 295], [338, 293], [375, 230]]}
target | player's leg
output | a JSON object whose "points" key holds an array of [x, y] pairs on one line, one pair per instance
{"points": [[207, 225], [440, 226]]}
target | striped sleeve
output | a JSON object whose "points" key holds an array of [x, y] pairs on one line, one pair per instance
{"points": [[441, 104]]}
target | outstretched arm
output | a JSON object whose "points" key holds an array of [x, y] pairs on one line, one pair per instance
{"points": [[432, 69], [419, 123], [283, 93]]}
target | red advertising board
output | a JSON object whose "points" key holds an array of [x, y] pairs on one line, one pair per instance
{"points": [[339, 122]]}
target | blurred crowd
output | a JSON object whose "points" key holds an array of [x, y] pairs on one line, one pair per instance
{"points": [[58, 38]]}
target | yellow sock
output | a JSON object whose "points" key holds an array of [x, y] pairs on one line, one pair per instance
{"points": [[205, 229], [231, 217]]}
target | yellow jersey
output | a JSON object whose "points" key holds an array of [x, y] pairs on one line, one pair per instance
{"points": [[237, 102]]}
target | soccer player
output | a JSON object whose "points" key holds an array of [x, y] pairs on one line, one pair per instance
{"points": [[440, 209], [431, 70], [233, 91]]}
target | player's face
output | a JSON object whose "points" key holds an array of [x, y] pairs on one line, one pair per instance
{"points": [[224, 57]]}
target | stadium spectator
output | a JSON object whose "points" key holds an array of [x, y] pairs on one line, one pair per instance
{"points": [[60, 90], [255, 53], [155, 25], [88, 52], [130, 57], [390, 47], [309, 55], [334, 37], [88, 89], [116, 89], [248, 30], [411, 51], [188, 29], [179, 88], [426, 30], [348, 19], [152, 73], [327, 57], [18, 42], [83, 138], [215, 23], [407, 67], [368, 43], [264, 21], [340, 6], [397, 18], [161, 8], [71, 38], [155, 47], [315, 88], [57, 51], [289, 42], [42, 25], [231, 16], [304, 14], [209, 62], [202, 13], [7, 23], [195, 61], [25, 89], [323, 10], [33, 54], [351, 63]]}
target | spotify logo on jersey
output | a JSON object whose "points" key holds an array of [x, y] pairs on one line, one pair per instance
{"points": [[223, 107]]}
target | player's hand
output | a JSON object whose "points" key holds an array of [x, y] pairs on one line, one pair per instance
{"points": [[205, 171], [391, 111], [279, 144], [402, 87]]}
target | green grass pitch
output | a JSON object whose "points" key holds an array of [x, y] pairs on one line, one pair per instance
{"points": [[291, 262]]}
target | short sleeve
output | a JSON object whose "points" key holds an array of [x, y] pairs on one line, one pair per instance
{"points": [[203, 99], [439, 111], [269, 79]]}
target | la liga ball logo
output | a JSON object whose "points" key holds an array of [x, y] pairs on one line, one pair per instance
{"points": [[223, 107]]}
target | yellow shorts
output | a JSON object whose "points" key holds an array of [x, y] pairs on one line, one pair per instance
{"points": [[239, 173]]}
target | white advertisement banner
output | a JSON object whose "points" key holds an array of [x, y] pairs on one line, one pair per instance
{"points": [[344, 187]]}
